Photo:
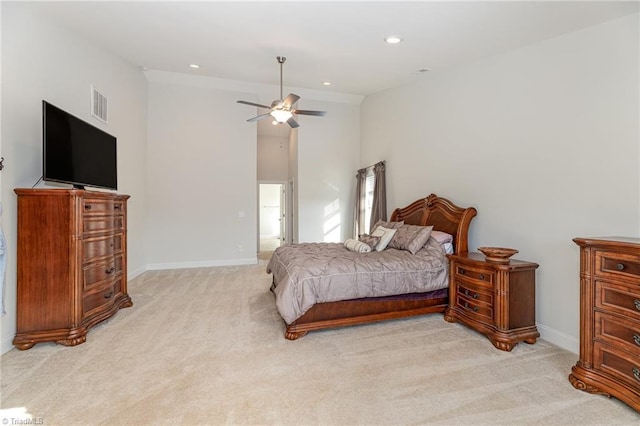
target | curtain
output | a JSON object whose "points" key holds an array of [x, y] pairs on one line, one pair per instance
{"points": [[358, 223], [379, 206]]}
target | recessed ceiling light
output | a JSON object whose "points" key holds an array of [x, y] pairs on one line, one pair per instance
{"points": [[194, 66], [393, 39], [326, 83]]}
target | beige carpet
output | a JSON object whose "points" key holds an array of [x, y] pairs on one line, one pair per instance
{"points": [[206, 346]]}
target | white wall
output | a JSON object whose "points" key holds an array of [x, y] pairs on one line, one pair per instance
{"points": [[327, 162], [273, 156], [543, 141], [201, 177], [43, 61]]}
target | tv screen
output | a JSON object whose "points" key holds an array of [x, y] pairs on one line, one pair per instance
{"points": [[76, 152]]}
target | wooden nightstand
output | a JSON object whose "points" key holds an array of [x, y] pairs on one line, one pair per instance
{"points": [[495, 299]]}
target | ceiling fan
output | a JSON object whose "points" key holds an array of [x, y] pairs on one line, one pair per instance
{"points": [[282, 110]]}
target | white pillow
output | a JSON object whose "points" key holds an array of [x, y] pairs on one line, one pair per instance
{"points": [[357, 246], [385, 235]]}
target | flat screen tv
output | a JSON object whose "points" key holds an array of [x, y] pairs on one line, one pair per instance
{"points": [[76, 152]]}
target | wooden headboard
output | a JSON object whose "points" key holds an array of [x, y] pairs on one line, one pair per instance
{"points": [[443, 215]]}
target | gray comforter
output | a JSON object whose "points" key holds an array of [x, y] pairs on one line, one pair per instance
{"points": [[310, 273]]}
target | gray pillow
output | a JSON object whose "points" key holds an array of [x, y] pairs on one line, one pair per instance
{"points": [[411, 237]]}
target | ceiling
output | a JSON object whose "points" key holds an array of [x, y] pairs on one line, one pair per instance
{"points": [[340, 42]]}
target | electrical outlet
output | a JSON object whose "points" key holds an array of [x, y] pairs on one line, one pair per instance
{"points": [[240, 248]]}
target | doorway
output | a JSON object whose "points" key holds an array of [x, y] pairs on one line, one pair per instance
{"points": [[271, 216]]}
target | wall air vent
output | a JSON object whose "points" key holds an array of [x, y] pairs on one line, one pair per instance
{"points": [[98, 105]]}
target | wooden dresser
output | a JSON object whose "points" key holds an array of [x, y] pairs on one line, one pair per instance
{"points": [[72, 263], [609, 361], [495, 299]]}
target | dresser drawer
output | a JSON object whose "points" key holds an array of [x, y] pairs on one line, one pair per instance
{"points": [[618, 298], [100, 206], [96, 224], [97, 272], [101, 297], [102, 246], [618, 266], [616, 330], [617, 363], [476, 275]]}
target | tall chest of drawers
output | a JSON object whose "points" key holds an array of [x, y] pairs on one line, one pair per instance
{"points": [[609, 361], [72, 263]]}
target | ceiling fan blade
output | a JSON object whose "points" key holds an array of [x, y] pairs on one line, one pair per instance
{"points": [[259, 117], [290, 100], [253, 104], [308, 112], [293, 123]]}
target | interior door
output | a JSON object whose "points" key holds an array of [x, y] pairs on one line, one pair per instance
{"points": [[283, 215]]}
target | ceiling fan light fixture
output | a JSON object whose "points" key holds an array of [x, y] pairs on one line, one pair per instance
{"points": [[393, 39], [281, 115], [282, 110]]}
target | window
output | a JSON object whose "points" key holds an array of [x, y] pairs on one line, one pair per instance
{"points": [[370, 181]]}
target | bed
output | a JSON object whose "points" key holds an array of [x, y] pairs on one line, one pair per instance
{"points": [[433, 210]]}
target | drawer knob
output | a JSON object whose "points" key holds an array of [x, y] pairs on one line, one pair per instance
{"points": [[636, 373], [620, 266], [461, 271], [636, 339], [636, 302], [474, 295], [108, 295], [474, 309], [481, 277], [117, 207], [110, 270], [87, 206]]}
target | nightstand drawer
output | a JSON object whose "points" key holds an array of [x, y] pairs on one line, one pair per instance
{"points": [[618, 298], [475, 310], [618, 265], [474, 293], [619, 364], [477, 275], [617, 330]]}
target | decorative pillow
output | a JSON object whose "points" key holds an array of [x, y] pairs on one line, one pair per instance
{"points": [[357, 246], [420, 240], [369, 240], [411, 237], [442, 237], [385, 236]]}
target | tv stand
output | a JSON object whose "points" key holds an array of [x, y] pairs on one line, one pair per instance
{"points": [[72, 263]]}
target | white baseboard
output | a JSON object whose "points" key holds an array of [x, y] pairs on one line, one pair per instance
{"points": [[136, 272], [6, 345], [558, 338], [202, 264]]}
